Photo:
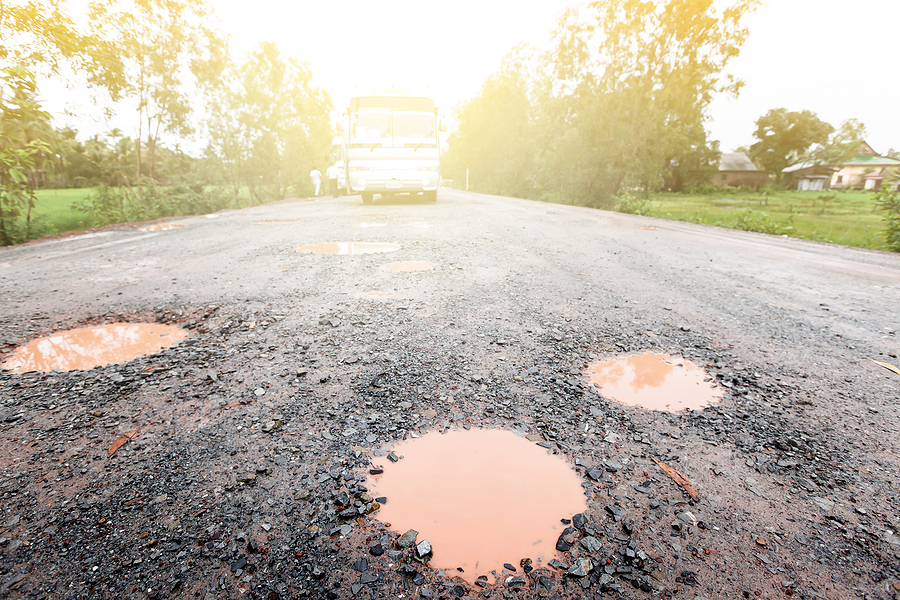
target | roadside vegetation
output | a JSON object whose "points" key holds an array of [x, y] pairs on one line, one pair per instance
{"points": [[613, 117], [261, 122]]}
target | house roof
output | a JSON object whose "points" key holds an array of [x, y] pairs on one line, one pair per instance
{"points": [[871, 160], [807, 164], [736, 161]]}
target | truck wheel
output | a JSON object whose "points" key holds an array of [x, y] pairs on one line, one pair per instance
{"points": [[367, 197]]}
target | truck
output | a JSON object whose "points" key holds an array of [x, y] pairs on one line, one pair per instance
{"points": [[392, 145]]}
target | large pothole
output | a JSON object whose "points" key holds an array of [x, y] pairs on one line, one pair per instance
{"points": [[88, 347], [655, 382], [481, 498]]}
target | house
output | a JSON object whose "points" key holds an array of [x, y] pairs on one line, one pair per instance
{"points": [[736, 169], [809, 176], [867, 170]]}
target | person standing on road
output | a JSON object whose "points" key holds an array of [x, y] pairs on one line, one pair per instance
{"points": [[332, 174], [316, 177]]}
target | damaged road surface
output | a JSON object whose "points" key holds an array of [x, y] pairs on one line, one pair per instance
{"points": [[245, 459]]}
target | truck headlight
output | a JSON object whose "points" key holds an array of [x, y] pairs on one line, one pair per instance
{"points": [[362, 182]]}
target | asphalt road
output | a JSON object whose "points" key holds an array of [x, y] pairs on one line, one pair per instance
{"points": [[797, 469]]}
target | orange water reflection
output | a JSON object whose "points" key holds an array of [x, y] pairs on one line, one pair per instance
{"points": [[89, 347], [654, 381], [348, 248], [481, 497], [162, 227]]}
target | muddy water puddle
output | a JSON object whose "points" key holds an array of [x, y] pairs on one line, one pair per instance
{"points": [[89, 347], [481, 498], [655, 382], [408, 266], [162, 227], [368, 225], [348, 248]]}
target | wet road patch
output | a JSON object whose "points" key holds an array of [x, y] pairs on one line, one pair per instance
{"points": [[348, 248], [481, 498], [88, 347], [162, 227], [655, 382], [408, 266]]}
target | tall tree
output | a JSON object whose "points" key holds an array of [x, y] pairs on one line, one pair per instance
{"points": [[785, 137], [143, 52], [631, 78], [495, 139], [268, 124], [25, 134]]}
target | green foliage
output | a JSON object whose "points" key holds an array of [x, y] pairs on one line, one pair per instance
{"points": [[786, 136], [495, 138], [632, 81], [24, 131], [268, 126], [116, 205], [141, 50], [748, 220], [888, 202], [634, 205]]}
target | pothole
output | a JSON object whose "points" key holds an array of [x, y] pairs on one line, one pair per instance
{"points": [[481, 498], [655, 382], [162, 227], [408, 266], [348, 248], [89, 347]]}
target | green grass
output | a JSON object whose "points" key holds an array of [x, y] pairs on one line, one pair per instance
{"points": [[846, 218], [54, 209]]}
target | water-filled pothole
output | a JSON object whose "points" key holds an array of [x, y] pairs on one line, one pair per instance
{"points": [[162, 227], [481, 498], [89, 347], [348, 248], [654, 381], [409, 266]]}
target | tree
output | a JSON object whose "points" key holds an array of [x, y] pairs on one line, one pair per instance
{"points": [[785, 137], [495, 136], [842, 145], [142, 51], [267, 124], [25, 133], [36, 36], [632, 81]]}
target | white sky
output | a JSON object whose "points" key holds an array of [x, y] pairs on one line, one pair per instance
{"points": [[836, 58]]}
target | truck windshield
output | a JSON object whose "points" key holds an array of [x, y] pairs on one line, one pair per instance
{"points": [[416, 126], [372, 126]]}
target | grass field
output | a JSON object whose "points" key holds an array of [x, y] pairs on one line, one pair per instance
{"points": [[53, 208], [846, 218]]}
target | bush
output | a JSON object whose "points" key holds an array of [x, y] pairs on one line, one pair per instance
{"points": [[109, 205], [632, 205], [747, 220], [888, 202]]}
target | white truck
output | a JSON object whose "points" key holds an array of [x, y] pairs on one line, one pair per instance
{"points": [[393, 146]]}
